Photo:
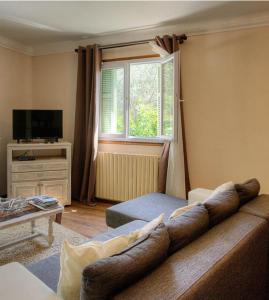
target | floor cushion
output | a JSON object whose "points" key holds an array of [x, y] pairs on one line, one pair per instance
{"points": [[145, 208]]}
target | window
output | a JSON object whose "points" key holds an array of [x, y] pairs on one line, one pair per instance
{"points": [[112, 101], [137, 99]]}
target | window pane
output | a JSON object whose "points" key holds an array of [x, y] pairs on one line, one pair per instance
{"points": [[168, 97], [112, 101], [144, 100]]}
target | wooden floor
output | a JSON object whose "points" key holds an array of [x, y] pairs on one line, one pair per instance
{"points": [[84, 219]]}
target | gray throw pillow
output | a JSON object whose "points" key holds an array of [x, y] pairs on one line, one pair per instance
{"points": [[187, 227], [248, 190], [106, 277], [222, 204]]}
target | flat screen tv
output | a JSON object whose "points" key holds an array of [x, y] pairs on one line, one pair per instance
{"points": [[37, 124]]}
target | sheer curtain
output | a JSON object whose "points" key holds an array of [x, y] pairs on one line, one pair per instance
{"points": [[177, 179]]}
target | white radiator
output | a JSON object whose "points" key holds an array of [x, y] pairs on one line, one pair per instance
{"points": [[122, 177]]}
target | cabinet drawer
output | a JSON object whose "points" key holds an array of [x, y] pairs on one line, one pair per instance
{"points": [[39, 175], [38, 166]]}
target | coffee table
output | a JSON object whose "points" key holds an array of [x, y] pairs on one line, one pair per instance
{"points": [[31, 214]]}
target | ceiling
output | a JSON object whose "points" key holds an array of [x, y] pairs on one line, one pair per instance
{"points": [[41, 22]]}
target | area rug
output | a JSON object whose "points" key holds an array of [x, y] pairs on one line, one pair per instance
{"points": [[35, 249]]}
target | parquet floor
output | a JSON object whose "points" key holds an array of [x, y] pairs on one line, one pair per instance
{"points": [[84, 219]]}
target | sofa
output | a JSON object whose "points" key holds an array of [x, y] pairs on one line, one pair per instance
{"points": [[144, 208], [229, 261]]}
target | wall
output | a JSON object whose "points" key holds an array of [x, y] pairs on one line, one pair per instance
{"points": [[54, 86], [226, 92], [225, 87], [15, 92]]}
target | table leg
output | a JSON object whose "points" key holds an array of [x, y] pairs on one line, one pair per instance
{"points": [[32, 226], [58, 218], [50, 231]]}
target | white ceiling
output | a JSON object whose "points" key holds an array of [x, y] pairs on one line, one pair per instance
{"points": [[36, 23]]}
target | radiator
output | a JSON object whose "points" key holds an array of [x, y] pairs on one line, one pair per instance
{"points": [[122, 177]]}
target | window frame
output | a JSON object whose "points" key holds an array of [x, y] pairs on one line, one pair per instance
{"points": [[125, 65]]}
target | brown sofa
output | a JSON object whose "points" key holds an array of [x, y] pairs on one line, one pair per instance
{"points": [[227, 262]]}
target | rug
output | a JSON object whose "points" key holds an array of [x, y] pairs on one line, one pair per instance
{"points": [[35, 249]]}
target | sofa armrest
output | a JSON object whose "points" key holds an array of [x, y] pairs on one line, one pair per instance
{"points": [[198, 195]]}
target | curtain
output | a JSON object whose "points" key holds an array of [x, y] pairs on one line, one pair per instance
{"points": [[177, 179], [162, 168], [86, 124]]}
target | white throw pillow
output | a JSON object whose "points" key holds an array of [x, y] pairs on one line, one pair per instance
{"points": [[181, 210], [75, 258], [223, 187], [146, 229]]}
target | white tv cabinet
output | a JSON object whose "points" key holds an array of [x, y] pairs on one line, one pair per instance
{"points": [[49, 174]]}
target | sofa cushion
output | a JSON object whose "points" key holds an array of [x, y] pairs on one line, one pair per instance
{"points": [[258, 207], [145, 208], [105, 277], [187, 227], [222, 203], [247, 190], [48, 269]]}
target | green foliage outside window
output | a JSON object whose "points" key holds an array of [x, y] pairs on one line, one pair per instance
{"points": [[150, 100]]}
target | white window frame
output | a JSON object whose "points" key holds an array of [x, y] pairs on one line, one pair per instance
{"points": [[126, 68]]}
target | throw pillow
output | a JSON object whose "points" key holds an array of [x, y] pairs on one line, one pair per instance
{"points": [[75, 258], [106, 277], [187, 227], [223, 202], [181, 210], [247, 190], [146, 229], [221, 188]]}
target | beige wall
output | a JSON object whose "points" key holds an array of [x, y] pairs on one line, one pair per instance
{"points": [[226, 92], [54, 86], [15, 92]]}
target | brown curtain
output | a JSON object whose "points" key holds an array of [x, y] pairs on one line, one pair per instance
{"points": [[86, 124], [163, 165], [171, 45]]}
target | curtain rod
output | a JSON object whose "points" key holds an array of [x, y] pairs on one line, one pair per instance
{"points": [[181, 38]]}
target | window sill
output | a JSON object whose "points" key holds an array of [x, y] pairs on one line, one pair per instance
{"points": [[133, 141]]}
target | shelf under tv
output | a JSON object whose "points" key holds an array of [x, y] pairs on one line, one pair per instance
{"points": [[48, 174], [46, 141]]}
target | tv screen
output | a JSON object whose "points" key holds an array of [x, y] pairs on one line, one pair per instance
{"points": [[37, 124]]}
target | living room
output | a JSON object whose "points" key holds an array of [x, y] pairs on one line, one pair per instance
{"points": [[157, 149]]}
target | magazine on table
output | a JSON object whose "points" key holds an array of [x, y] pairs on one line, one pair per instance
{"points": [[43, 202]]}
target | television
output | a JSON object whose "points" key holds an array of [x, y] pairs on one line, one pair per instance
{"points": [[37, 124]]}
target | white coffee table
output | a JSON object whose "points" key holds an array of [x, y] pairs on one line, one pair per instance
{"points": [[31, 218], [17, 283]]}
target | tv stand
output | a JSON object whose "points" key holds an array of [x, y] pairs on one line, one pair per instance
{"points": [[46, 141], [23, 141], [51, 141], [49, 174]]}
